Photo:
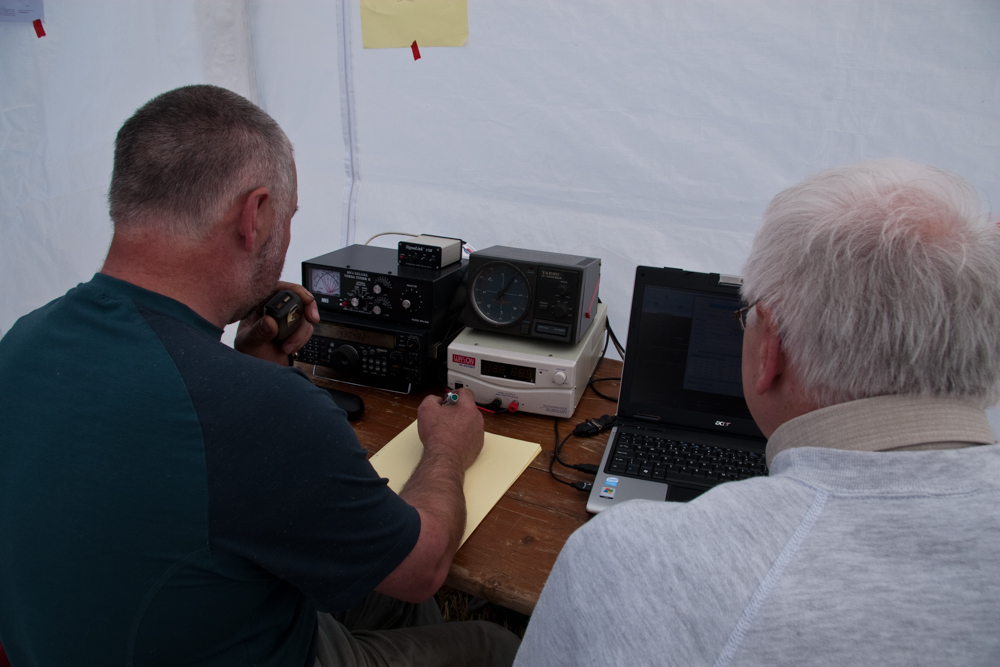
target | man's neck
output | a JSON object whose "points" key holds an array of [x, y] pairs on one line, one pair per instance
{"points": [[178, 268]]}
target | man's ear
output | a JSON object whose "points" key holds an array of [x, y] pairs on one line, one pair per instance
{"points": [[252, 222], [772, 356]]}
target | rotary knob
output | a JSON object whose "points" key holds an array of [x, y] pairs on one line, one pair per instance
{"points": [[345, 359], [410, 300], [559, 311], [559, 377], [381, 305]]}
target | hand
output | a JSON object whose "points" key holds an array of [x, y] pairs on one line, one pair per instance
{"points": [[256, 332], [453, 431]]}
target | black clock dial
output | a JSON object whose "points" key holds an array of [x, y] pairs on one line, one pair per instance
{"points": [[501, 293]]}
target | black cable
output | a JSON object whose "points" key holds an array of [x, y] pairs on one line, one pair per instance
{"points": [[605, 397], [579, 486], [584, 429], [618, 346]]}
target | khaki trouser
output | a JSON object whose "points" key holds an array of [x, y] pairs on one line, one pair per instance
{"points": [[386, 632]]}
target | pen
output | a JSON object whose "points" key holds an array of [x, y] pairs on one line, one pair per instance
{"points": [[451, 398]]}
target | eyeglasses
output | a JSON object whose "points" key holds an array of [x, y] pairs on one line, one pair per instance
{"points": [[741, 314]]}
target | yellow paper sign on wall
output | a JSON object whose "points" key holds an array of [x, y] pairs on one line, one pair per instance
{"points": [[387, 24]]}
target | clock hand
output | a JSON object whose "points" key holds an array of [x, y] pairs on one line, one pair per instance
{"points": [[503, 291]]}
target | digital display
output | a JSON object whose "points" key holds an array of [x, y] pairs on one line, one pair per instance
{"points": [[324, 281], [373, 338], [507, 371]]}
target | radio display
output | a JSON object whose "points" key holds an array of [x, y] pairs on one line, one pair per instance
{"points": [[373, 338], [507, 371], [324, 281]]}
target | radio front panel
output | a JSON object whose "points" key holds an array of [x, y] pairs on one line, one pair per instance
{"points": [[367, 281], [371, 356]]}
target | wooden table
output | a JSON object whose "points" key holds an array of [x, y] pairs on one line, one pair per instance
{"points": [[509, 556]]}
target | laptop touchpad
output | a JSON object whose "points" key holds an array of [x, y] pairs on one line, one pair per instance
{"points": [[682, 494]]}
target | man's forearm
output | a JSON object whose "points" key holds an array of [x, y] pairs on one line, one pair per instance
{"points": [[453, 437], [435, 489]]}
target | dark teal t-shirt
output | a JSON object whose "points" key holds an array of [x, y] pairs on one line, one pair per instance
{"points": [[167, 500]]}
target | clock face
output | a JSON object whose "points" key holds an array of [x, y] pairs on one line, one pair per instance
{"points": [[501, 293]]}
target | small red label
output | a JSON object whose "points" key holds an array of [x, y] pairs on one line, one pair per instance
{"points": [[465, 361], [40, 31], [416, 50]]}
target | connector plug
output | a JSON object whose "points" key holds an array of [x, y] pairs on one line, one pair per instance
{"points": [[591, 427]]}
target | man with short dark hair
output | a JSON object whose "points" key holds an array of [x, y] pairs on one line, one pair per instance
{"points": [[871, 348], [165, 499]]}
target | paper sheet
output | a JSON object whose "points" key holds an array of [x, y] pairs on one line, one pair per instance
{"points": [[501, 462], [21, 11], [389, 24]]}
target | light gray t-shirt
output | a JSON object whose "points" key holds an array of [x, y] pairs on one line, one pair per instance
{"points": [[838, 558]]}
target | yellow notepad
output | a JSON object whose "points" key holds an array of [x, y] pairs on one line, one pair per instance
{"points": [[502, 461]]}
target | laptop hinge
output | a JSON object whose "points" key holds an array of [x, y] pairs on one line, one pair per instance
{"points": [[730, 280], [646, 418]]}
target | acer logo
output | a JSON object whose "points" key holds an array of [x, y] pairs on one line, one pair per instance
{"points": [[722, 423]]}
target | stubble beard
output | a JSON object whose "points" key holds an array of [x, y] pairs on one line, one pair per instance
{"points": [[262, 276]]}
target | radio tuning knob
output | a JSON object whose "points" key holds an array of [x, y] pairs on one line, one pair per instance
{"points": [[345, 359], [559, 311], [559, 377]]}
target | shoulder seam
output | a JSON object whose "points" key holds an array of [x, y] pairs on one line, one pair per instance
{"points": [[770, 580]]}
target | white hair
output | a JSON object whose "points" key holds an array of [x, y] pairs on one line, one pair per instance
{"points": [[883, 278]]}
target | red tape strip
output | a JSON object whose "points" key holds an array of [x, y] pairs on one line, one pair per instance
{"points": [[40, 31], [416, 50]]}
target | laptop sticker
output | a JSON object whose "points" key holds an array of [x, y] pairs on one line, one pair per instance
{"points": [[607, 492]]}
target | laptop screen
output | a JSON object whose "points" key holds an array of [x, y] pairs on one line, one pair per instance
{"points": [[684, 352]]}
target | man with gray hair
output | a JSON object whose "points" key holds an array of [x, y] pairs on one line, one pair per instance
{"points": [[871, 349], [166, 499]]}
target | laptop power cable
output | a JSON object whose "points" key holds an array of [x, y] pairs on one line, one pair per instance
{"points": [[584, 429]]}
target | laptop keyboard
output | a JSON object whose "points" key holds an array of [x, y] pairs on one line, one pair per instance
{"points": [[662, 459]]}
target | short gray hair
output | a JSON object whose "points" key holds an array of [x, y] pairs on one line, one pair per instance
{"points": [[189, 154], [883, 278]]}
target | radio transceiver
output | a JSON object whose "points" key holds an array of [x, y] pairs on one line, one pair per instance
{"points": [[531, 293], [542, 377], [393, 356], [382, 325]]}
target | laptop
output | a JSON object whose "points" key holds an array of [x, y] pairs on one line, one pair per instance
{"points": [[682, 425]]}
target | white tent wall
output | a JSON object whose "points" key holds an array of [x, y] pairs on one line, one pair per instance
{"points": [[63, 98], [640, 132], [656, 132]]}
